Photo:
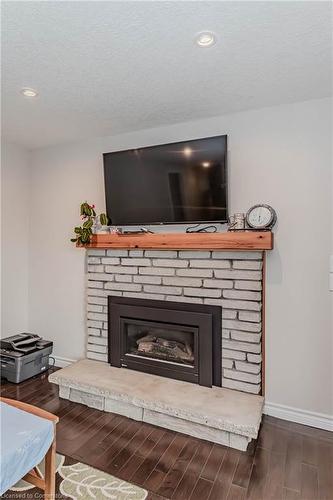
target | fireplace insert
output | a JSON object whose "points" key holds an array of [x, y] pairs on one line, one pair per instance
{"points": [[170, 339]]}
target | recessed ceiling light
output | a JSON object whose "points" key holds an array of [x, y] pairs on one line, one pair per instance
{"points": [[205, 164], [29, 92], [187, 151], [205, 39]]}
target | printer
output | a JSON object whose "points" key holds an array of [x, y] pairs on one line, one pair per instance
{"points": [[23, 356]]}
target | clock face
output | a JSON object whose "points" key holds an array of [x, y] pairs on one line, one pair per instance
{"points": [[260, 216]]}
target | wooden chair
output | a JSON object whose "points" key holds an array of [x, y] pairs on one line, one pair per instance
{"points": [[46, 483]]}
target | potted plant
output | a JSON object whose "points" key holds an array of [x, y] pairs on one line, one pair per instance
{"points": [[92, 224]]}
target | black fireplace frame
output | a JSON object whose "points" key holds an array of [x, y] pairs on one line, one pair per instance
{"points": [[206, 319]]}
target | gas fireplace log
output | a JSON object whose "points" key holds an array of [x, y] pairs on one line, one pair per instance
{"points": [[165, 348]]}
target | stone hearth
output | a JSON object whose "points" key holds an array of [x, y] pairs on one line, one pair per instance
{"points": [[224, 416]]}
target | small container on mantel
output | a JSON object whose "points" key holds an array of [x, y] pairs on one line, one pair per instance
{"points": [[103, 230], [237, 222]]}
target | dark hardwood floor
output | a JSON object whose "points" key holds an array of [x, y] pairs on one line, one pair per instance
{"points": [[288, 462]]}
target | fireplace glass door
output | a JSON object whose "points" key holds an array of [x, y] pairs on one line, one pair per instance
{"points": [[156, 341]]}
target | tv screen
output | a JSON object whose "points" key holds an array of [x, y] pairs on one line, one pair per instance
{"points": [[183, 182]]}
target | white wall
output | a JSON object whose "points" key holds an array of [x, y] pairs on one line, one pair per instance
{"points": [[14, 239], [278, 155]]}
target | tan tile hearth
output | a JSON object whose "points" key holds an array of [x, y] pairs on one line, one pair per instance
{"points": [[224, 416]]}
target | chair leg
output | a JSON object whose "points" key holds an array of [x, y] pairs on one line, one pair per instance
{"points": [[50, 467]]}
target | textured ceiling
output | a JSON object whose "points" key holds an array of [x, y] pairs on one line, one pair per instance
{"points": [[103, 68]]}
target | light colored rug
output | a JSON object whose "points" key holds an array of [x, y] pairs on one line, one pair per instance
{"points": [[78, 481]]}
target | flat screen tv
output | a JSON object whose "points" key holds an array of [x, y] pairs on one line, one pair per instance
{"points": [[183, 182]]}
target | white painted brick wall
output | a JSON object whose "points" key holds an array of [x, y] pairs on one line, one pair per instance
{"points": [[95, 252], [240, 294], [245, 336], [221, 254], [157, 271], [117, 253], [135, 253], [177, 281], [124, 287], [135, 262], [123, 278], [247, 367], [249, 316], [194, 254], [248, 285], [170, 263], [215, 264], [199, 273], [120, 270], [110, 261], [165, 254], [202, 292], [231, 354], [221, 284], [232, 280], [235, 274], [247, 264], [149, 280], [167, 290], [93, 260]]}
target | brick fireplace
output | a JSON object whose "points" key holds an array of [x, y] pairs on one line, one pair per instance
{"points": [[230, 280], [218, 279]]}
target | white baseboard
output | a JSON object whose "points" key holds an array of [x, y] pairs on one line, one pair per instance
{"points": [[311, 418], [63, 362]]}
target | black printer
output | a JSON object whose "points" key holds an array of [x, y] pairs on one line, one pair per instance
{"points": [[24, 355]]}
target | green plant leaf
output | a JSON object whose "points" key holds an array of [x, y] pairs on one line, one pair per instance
{"points": [[104, 219], [88, 224], [82, 208], [85, 237], [77, 230], [85, 209], [74, 239]]}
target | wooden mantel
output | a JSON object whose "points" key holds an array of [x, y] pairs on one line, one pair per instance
{"points": [[247, 240]]}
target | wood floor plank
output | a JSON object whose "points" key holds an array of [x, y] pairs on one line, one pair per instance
{"points": [[256, 487], [187, 483], [266, 436], [121, 444], [305, 430], [116, 441], [275, 476], [127, 471], [214, 462], [178, 469], [310, 451], [243, 471], [154, 480], [291, 494], [225, 475], [92, 447], [170, 455], [151, 440], [151, 460], [202, 489], [236, 493], [125, 453], [309, 483], [292, 476], [325, 470]]}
